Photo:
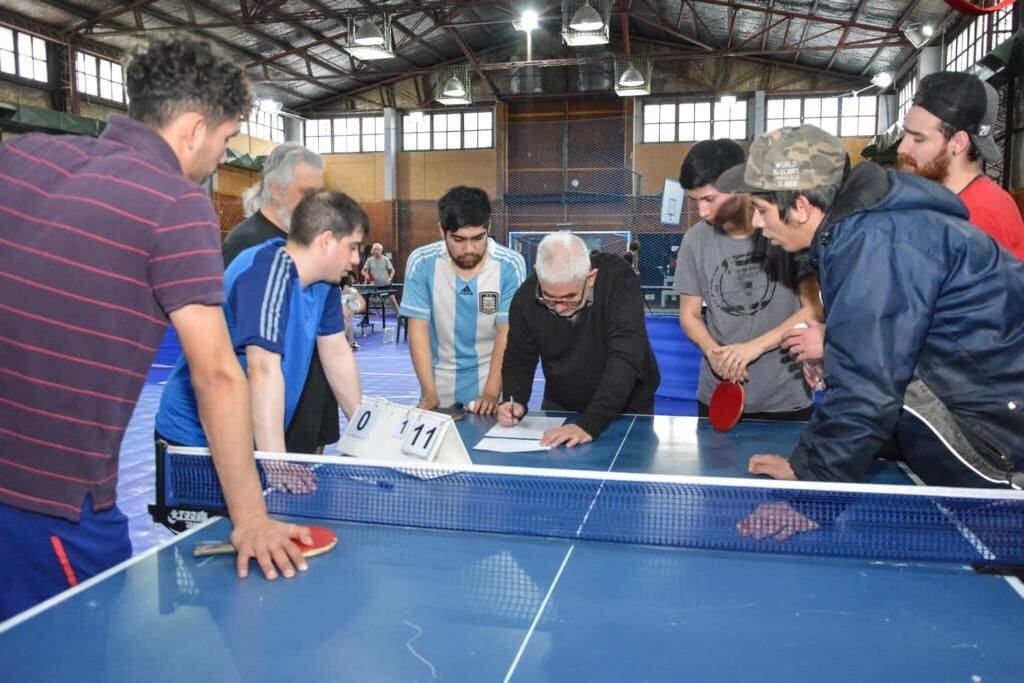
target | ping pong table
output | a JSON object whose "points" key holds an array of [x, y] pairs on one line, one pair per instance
{"points": [[397, 603]]}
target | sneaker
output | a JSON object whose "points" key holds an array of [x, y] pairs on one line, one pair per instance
{"points": [[355, 346]]}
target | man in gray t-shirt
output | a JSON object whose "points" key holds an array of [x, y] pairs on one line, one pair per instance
{"points": [[379, 271], [754, 292]]}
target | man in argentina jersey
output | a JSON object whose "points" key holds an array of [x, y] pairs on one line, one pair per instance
{"points": [[282, 301], [456, 296]]}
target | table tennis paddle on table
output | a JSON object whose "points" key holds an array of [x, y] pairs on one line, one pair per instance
{"points": [[323, 540], [726, 406]]}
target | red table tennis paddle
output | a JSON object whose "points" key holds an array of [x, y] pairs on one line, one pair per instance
{"points": [[323, 540], [726, 406]]}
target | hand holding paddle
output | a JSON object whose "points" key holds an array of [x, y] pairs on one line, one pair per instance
{"points": [[726, 407], [270, 543]]}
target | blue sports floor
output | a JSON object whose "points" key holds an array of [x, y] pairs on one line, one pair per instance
{"points": [[386, 371]]}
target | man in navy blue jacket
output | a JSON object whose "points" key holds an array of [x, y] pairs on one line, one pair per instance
{"points": [[924, 313]]}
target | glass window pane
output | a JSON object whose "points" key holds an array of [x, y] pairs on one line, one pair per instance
{"points": [[24, 44], [469, 120], [702, 131], [409, 141], [830, 106], [739, 130], [105, 90], [439, 139], [686, 132], [867, 105], [830, 125], [454, 122], [721, 129], [454, 140], [651, 133], [686, 112], [774, 109], [104, 69], [325, 127], [651, 113], [702, 111], [423, 140], [486, 138], [848, 126], [440, 123], [470, 139], [792, 108], [812, 107], [6, 39], [721, 113], [485, 121]]}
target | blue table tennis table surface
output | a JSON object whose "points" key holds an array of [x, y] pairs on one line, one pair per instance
{"points": [[402, 604]]}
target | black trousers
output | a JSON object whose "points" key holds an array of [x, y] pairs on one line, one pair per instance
{"points": [[315, 423]]}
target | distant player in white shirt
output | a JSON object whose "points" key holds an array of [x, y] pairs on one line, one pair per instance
{"points": [[456, 296]]}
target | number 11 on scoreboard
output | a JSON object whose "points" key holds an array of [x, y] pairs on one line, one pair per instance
{"points": [[423, 437]]}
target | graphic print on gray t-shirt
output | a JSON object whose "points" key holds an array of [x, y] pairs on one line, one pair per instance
{"points": [[750, 287]]}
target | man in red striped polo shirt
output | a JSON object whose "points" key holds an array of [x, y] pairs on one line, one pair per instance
{"points": [[101, 241]]}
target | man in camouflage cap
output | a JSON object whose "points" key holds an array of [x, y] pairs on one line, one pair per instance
{"points": [[924, 314]]}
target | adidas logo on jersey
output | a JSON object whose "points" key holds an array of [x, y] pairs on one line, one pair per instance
{"points": [[466, 289]]}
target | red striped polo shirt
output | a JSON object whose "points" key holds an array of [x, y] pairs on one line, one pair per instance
{"points": [[99, 240]]}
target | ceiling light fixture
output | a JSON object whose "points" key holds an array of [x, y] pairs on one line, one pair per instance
{"points": [[586, 18]]}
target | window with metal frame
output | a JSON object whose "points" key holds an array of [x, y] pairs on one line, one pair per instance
{"points": [[23, 55], [99, 77], [694, 120], [429, 131]]}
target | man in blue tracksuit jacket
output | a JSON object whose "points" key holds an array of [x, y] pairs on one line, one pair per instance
{"points": [[924, 313]]}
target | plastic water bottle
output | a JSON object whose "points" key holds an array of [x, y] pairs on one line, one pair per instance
{"points": [[815, 369], [390, 334]]}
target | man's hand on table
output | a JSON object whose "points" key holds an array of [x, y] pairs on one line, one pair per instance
{"points": [[566, 435], [270, 543]]}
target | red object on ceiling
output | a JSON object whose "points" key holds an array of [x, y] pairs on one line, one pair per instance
{"points": [[971, 6]]}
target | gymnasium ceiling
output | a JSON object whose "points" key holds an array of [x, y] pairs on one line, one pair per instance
{"points": [[293, 49]]}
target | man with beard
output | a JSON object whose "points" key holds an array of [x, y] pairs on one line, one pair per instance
{"points": [[754, 293], [290, 172], [948, 132], [456, 297]]}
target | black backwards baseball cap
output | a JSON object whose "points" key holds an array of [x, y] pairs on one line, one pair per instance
{"points": [[965, 102]]}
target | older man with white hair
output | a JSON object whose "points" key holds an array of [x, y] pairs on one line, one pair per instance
{"points": [[582, 315], [290, 172]]}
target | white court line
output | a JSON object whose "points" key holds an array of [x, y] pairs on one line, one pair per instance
{"points": [[85, 585], [565, 560], [536, 618], [622, 443], [1015, 584]]}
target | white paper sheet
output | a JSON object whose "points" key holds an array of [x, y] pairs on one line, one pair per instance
{"points": [[530, 427], [510, 445]]}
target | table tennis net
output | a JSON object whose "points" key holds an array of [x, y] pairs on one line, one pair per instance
{"points": [[897, 523]]}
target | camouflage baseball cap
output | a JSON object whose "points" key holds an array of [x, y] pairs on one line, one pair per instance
{"points": [[800, 158]]}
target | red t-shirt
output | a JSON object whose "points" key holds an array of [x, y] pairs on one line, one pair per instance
{"points": [[993, 210]]}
